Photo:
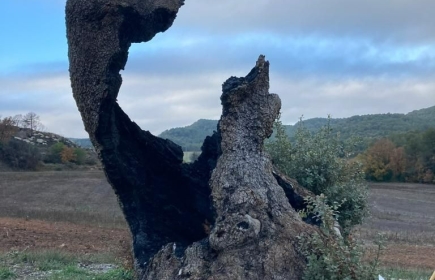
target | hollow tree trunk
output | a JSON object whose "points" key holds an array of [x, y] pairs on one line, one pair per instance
{"points": [[226, 216]]}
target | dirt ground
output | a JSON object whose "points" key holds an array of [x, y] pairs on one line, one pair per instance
{"points": [[409, 256], [402, 207], [405, 213], [21, 234]]}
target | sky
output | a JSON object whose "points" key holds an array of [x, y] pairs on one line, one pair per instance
{"points": [[327, 57]]}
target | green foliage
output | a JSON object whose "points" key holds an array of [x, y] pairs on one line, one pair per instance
{"points": [[20, 155], [329, 256], [366, 127], [319, 162], [63, 265], [280, 149], [370, 127], [46, 260], [80, 156], [6, 273], [61, 153], [54, 154]]}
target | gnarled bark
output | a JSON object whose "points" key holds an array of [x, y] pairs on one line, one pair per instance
{"points": [[255, 231], [248, 229]]}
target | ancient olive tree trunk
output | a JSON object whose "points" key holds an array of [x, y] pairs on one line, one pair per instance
{"points": [[255, 228], [226, 216]]}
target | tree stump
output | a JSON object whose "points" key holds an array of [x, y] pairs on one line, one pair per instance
{"points": [[228, 215]]}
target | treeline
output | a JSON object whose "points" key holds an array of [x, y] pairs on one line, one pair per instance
{"points": [[375, 126], [407, 157], [365, 127]]}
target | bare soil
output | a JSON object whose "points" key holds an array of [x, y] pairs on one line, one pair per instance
{"points": [[83, 197], [71, 211], [21, 234], [78, 212], [405, 214], [402, 207]]}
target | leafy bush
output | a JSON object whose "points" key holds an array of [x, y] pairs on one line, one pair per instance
{"points": [[54, 155], [329, 256], [61, 153], [321, 163], [20, 155], [6, 273], [80, 156]]}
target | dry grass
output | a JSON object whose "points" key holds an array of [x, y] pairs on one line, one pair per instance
{"points": [[68, 196]]}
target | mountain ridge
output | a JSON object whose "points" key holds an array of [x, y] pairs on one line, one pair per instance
{"points": [[369, 127]]}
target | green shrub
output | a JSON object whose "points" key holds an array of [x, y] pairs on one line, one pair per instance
{"points": [[330, 256], [54, 155], [6, 273], [80, 156], [20, 155], [321, 163]]}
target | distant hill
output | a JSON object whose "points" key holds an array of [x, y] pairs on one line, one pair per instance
{"points": [[26, 149], [82, 142], [368, 127], [191, 137], [373, 126]]}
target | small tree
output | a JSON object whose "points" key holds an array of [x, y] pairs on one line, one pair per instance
{"points": [[67, 155], [331, 257], [32, 121], [319, 162], [17, 119], [79, 155], [384, 161], [54, 156], [7, 129]]}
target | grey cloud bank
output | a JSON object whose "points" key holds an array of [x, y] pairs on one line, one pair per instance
{"points": [[333, 57], [389, 20]]}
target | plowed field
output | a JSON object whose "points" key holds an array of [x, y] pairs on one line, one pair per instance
{"points": [[78, 212]]}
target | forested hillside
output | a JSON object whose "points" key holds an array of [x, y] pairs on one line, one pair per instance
{"points": [[367, 127], [374, 126], [191, 137]]}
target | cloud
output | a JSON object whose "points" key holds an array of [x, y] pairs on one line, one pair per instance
{"points": [[343, 97], [327, 57], [158, 101], [389, 20], [296, 55], [47, 94]]}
